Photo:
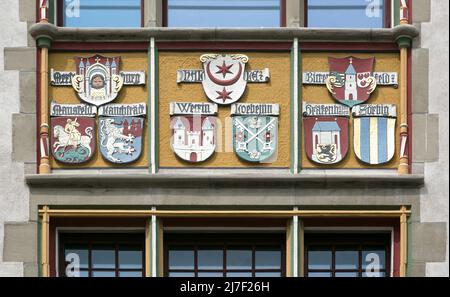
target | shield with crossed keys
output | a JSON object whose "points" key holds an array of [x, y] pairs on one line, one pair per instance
{"points": [[255, 131]]}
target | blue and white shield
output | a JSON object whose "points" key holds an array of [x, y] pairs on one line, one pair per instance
{"points": [[120, 131], [255, 131], [374, 132]]}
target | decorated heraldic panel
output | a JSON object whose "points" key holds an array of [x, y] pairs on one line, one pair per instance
{"points": [[350, 104], [98, 109], [224, 109]]}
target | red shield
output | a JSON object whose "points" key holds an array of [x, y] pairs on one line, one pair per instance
{"points": [[326, 138], [72, 139], [351, 79]]}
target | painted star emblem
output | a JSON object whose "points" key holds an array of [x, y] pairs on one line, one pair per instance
{"points": [[224, 94], [224, 69]]}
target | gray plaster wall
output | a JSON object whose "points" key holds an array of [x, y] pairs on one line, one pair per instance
{"points": [[17, 66], [430, 114]]}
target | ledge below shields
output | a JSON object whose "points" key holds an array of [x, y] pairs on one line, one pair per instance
{"points": [[317, 179]]}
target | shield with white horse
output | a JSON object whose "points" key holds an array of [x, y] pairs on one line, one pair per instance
{"points": [[120, 132], [72, 132]]}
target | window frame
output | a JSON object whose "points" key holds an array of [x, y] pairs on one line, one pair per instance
{"points": [[387, 21], [199, 241], [165, 13], [118, 239], [60, 13], [334, 241]]}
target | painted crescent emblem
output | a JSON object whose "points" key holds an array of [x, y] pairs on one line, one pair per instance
{"points": [[221, 82], [221, 85]]}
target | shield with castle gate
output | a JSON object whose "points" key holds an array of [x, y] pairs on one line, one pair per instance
{"points": [[374, 132], [351, 79], [193, 128], [325, 129], [121, 132], [255, 131], [97, 80], [72, 132]]}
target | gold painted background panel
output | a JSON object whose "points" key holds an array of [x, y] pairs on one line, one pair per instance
{"points": [[276, 91], [384, 62], [136, 61]]}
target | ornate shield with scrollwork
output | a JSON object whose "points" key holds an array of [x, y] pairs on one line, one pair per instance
{"points": [[224, 81]]}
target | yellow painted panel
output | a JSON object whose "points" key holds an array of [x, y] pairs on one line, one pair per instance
{"points": [[388, 62], [130, 61], [276, 91]]}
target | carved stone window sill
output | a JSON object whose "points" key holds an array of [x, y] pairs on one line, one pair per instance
{"points": [[207, 179], [42, 30]]}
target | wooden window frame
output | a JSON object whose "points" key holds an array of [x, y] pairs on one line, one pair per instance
{"points": [[225, 241], [165, 13], [118, 239], [60, 13], [387, 21], [326, 241]]}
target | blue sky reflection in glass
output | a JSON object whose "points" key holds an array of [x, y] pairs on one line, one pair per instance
{"points": [[220, 13], [102, 13]]}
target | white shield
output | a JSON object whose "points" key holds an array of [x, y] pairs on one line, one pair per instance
{"points": [[224, 81]]}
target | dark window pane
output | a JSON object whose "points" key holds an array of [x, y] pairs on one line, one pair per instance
{"points": [[181, 274], [103, 257], [103, 273], [347, 260], [72, 252], [268, 274], [346, 274], [130, 273], [346, 13], [181, 259], [374, 259], [210, 274], [319, 259], [239, 259], [102, 13], [210, 259], [130, 258], [239, 274], [224, 13], [268, 259], [319, 274]]}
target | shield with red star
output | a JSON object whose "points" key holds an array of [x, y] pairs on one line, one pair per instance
{"points": [[224, 81]]}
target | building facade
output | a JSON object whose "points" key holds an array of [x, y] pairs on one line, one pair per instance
{"points": [[159, 138]]}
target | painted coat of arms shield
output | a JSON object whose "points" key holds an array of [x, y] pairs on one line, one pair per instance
{"points": [[98, 80], [326, 132], [224, 81], [374, 132], [193, 128], [351, 80], [72, 132], [120, 130], [255, 131]]}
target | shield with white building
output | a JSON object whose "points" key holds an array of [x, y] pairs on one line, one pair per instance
{"points": [[326, 132], [97, 80], [72, 132], [351, 79], [121, 132], [224, 81], [374, 132], [255, 131], [193, 128]]}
